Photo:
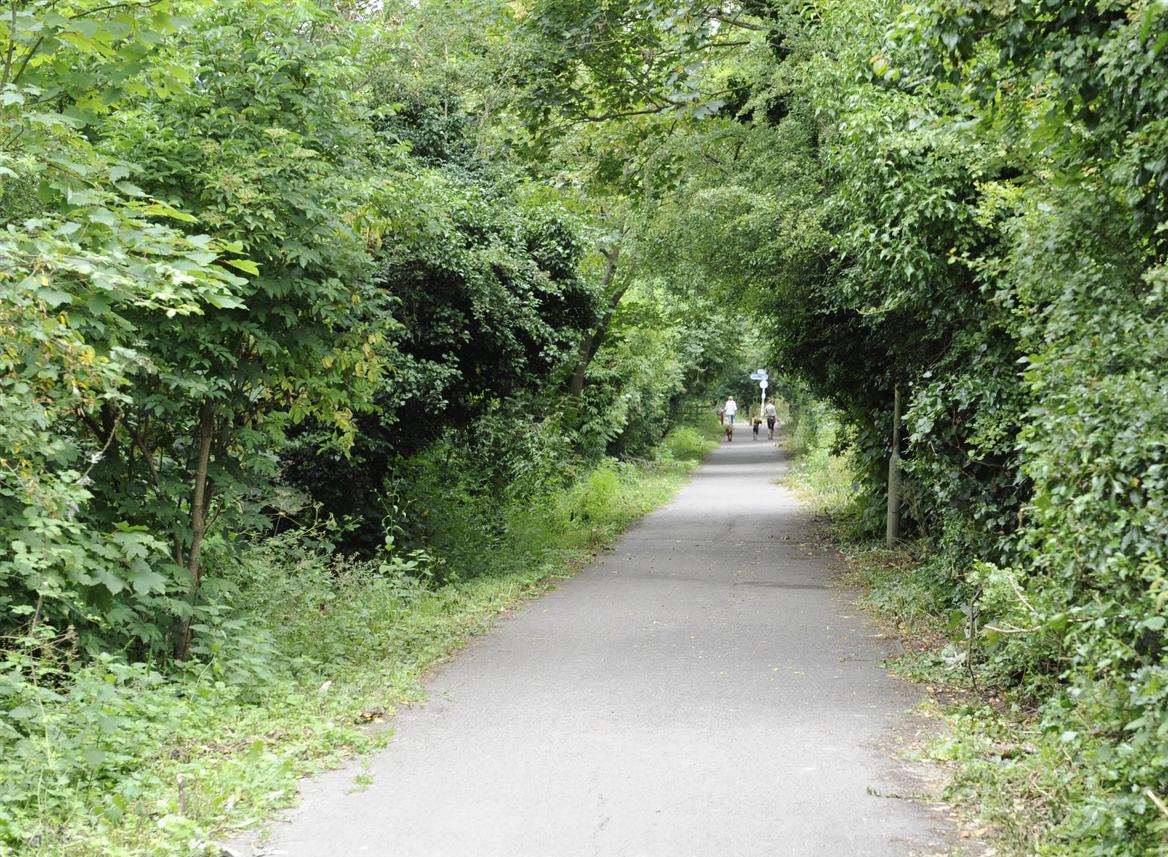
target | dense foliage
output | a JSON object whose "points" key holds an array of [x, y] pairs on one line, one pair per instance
{"points": [[380, 288], [965, 201], [291, 325]]}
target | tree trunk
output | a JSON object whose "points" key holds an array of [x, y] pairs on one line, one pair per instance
{"points": [[892, 522], [592, 342], [206, 432]]}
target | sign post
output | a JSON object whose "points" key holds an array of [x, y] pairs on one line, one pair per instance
{"points": [[760, 375]]}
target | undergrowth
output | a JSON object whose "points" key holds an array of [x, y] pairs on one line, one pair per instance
{"points": [[820, 472], [1015, 770], [113, 757]]}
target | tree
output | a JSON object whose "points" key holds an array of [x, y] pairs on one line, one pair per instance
{"points": [[85, 254]]}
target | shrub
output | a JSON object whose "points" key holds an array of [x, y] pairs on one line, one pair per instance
{"points": [[686, 443]]}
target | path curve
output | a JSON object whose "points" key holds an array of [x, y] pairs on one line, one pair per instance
{"points": [[703, 690]]}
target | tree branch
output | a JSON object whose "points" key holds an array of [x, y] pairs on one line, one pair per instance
{"points": [[11, 46], [40, 40], [738, 22]]}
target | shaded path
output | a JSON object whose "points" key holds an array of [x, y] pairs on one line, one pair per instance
{"points": [[701, 691]]}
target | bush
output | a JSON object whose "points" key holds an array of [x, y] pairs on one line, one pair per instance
{"points": [[823, 468], [687, 443]]}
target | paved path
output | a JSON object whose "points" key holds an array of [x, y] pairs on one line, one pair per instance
{"points": [[701, 691]]}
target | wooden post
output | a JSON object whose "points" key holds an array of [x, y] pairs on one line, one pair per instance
{"points": [[892, 523]]}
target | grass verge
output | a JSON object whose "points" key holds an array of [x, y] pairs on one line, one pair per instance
{"points": [[118, 759]]}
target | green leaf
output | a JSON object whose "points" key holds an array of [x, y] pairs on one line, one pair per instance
{"points": [[53, 297], [245, 265], [146, 580], [129, 188], [162, 209]]}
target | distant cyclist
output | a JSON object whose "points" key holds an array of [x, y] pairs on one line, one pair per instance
{"points": [[729, 410], [770, 413]]}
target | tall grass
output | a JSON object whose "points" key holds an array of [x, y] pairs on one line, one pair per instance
{"points": [[691, 443], [821, 471]]}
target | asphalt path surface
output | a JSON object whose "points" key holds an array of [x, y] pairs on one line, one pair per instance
{"points": [[702, 690]]}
